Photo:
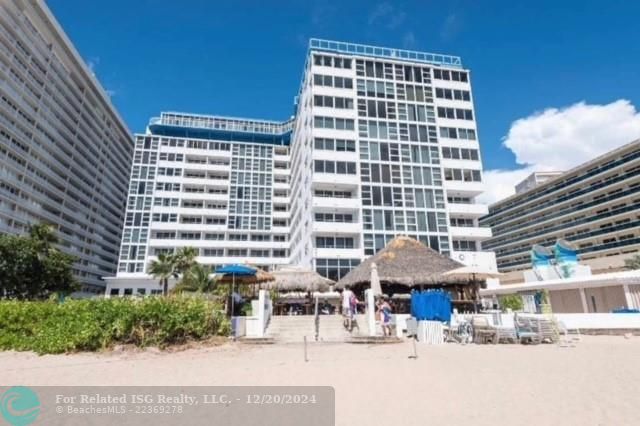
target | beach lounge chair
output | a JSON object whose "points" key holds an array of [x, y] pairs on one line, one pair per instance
{"points": [[548, 330], [526, 330], [483, 332], [505, 328], [567, 338]]}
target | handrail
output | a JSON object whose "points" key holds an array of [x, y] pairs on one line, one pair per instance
{"points": [[384, 52]]}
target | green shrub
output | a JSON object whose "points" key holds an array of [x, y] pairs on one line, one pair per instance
{"points": [[89, 325], [512, 301]]}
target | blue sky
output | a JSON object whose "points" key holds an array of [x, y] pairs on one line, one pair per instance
{"points": [[245, 58]]}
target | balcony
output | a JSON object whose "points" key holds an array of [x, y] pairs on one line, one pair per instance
{"points": [[280, 229], [470, 233], [337, 227], [355, 253], [466, 189], [336, 203], [335, 180], [199, 166], [280, 200], [282, 158], [172, 226], [468, 210], [280, 215]]}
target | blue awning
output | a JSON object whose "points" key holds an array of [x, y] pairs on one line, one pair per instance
{"points": [[237, 270]]}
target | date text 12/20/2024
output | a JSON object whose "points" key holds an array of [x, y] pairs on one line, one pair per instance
{"points": [[185, 399]]}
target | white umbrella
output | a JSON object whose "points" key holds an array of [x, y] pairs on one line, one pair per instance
{"points": [[375, 281]]}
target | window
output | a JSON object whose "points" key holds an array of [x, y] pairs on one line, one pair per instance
{"points": [[331, 61], [333, 123], [331, 81], [334, 217], [463, 175], [332, 102], [335, 242], [339, 167], [459, 153], [441, 74], [335, 268]]}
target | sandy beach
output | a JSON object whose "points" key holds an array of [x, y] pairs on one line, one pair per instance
{"points": [[595, 383]]}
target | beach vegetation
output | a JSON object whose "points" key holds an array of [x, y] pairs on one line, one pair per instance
{"points": [[512, 301], [48, 327], [196, 279], [32, 267]]}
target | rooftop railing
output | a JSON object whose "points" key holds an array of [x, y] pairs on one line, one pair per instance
{"points": [[384, 52], [222, 123]]}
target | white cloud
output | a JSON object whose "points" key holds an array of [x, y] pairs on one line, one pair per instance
{"points": [[559, 139], [451, 26], [409, 40], [500, 184], [386, 14], [92, 63]]}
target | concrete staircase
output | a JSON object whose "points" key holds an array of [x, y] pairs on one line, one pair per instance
{"points": [[332, 329], [293, 329]]}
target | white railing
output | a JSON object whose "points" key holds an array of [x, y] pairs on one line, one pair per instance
{"points": [[604, 321]]}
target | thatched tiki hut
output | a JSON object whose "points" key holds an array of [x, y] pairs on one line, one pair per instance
{"points": [[294, 289], [406, 264], [297, 279]]}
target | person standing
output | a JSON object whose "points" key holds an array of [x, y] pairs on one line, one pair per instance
{"points": [[385, 313]]}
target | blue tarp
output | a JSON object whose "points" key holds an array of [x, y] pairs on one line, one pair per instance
{"points": [[431, 305], [626, 311], [237, 270]]}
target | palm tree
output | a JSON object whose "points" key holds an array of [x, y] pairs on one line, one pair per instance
{"points": [[196, 279], [185, 258], [162, 269], [44, 236]]}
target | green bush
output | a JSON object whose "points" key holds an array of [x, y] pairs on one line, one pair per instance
{"points": [[89, 325], [512, 301]]}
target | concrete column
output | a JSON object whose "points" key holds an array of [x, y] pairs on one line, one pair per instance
{"points": [[583, 298], [262, 295], [627, 296], [371, 312]]}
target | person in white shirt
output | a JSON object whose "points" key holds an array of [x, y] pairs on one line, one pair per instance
{"points": [[347, 307]]}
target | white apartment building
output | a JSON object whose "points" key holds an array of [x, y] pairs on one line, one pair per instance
{"points": [[65, 153], [383, 143], [535, 179], [595, 206]]}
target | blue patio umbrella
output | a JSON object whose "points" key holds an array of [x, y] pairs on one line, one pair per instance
{"points": [[235, 270]]}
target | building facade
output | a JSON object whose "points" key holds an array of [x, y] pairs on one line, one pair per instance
{"points": [[383, 143], [535, 179], [595, 206], [65, 153]]}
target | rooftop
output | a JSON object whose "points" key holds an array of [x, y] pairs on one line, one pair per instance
{"points": [[179, 124], [384, 52]]}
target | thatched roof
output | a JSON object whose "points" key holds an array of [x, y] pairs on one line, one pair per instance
{"points": [[404, 261], [294, 278]]}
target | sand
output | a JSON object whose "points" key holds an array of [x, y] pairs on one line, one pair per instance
{"points": [[595, 383]]}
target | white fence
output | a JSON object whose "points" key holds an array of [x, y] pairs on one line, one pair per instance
{"points": [[604, 321], [256, 324]]}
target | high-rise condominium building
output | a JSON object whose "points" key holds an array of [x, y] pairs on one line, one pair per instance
{"points": [[595, 206], [65, 154], [383, 143]]}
